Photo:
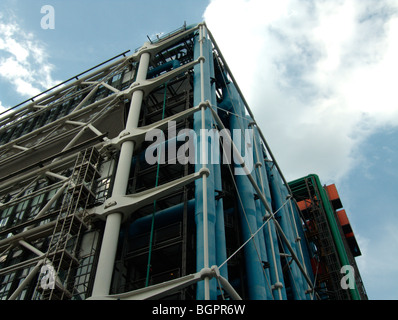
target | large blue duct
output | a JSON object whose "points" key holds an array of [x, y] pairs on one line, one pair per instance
{"points": [[170, 65], [221, 246], [270, 257], [283, 217], [256, 282], [162, 218], [269, 232]]}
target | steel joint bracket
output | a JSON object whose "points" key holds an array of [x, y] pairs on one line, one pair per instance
{"points": [[150, 84], [164, 289], [138, 135], [128, 204]]}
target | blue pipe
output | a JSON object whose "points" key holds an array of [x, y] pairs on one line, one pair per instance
{"points": [[304, 259], [307, 251], [269, 232], [221, 245], [258, 159], [254, 271], [283, 218], [173, 64], [163, 217]]}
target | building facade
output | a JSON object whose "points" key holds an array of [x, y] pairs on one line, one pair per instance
{"points": [[147, 177], [333, 242]]}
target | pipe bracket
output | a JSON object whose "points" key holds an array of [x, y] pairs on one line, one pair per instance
{"points": [[128, 204], [138, 134]]}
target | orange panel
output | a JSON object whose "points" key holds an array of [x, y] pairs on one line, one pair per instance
{"points": [[343, 219], [304, 205], [334, 196], [332, 192]]}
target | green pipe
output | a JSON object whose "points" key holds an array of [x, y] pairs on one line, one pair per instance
{"points": [[154, 203], [335, 231]]}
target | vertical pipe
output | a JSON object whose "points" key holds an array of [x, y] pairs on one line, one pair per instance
{"points": [[254, 270], [283, 218], [204, 179], [221, 249], [204, 188], [103, 276], [305, 254], [293, 216], [279, 290], [270, 238], [261, 211]]}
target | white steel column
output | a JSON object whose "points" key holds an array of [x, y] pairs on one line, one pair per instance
{"points": [[103, 277], [204, 159]]}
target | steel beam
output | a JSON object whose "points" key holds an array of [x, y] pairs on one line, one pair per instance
{"points": [[128, 204], [164, 289]]}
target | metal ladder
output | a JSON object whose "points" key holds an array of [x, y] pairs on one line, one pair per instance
{"points": [[327, 250], [63, 254]]}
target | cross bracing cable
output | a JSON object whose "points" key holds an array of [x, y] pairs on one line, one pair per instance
{"points": [[268, 208], [270, 216], [247, 222]]}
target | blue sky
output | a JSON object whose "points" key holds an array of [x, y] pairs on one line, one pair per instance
{"points": [[319, 75]]}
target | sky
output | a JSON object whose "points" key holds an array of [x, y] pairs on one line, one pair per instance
{"points": [[319, 75]]}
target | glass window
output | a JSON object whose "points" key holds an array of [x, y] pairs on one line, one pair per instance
{"points": [[6, 285]]}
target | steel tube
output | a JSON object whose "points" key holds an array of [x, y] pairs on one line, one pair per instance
{"points": [[103, 277], [204, 179], [262, 198], [228, 288], [32, 274], [52, 200]]}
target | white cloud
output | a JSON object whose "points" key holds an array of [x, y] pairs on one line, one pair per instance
{"points": [[318, 75], [23, 60], [377, 265], [10, 68]]}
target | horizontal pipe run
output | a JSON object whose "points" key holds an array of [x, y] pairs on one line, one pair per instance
{"points": [[161, 217]]}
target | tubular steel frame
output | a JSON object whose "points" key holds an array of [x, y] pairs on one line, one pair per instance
{"points": [[103, 111]]}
